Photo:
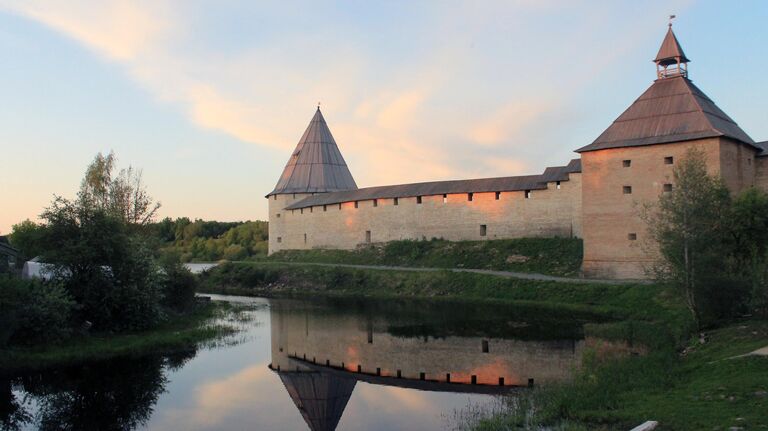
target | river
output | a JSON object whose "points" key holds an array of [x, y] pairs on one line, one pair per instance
{"points": [[328, 364]]}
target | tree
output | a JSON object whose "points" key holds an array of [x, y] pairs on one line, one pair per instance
{"points": [[26, 237], [124, 195], [689, 226], [749, 228], [106, 269]]}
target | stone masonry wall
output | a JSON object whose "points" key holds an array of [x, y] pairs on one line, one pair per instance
{"points": [[611, 216], [555, 211], [761, 173]]}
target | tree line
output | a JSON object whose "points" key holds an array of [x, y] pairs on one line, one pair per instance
{"points": [[206, 241]]}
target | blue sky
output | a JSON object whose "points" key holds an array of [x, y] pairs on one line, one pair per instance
{"points": [[209, 98]]}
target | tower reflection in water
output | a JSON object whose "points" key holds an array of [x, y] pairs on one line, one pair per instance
{"points": [[321, 353]]}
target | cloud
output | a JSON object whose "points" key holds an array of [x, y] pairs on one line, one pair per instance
{"points": [[450, 99], [507, 121], [212, 110], [400, 113], [120, 29]]}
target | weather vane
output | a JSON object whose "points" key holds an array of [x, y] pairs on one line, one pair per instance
{"points": [[671, 17]]}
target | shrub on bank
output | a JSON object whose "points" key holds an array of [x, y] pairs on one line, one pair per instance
{"points": [[33, 312]]}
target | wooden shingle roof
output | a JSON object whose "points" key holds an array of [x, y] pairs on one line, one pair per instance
{"points": [[499, 184], [670, 51], [316, 165], [671, 110]]}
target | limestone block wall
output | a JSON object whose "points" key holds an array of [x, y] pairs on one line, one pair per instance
{"points": [[277, 220], [737, 165], [554, 211], [345, 340], [611, 216], [761, 173]]}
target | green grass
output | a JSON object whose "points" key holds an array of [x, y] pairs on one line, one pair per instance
{"points": [[704, 389], [178, 334], [553, 256], [644, 302]]}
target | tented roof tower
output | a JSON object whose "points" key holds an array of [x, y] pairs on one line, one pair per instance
{"points": [[671, 110], [320, 397], [316, 165]]}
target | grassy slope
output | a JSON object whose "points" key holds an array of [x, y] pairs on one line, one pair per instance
{"points": [[554, 256], [702, 390], [688, 393], [176, 335], [643, 302]]}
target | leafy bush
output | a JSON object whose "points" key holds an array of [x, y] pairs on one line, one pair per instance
{"points": [[179, 286], [33, 311]]}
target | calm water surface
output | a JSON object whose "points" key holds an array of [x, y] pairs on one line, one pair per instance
{"points": [[319, 365]]}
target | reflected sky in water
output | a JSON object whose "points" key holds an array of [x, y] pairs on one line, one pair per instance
{"points": [[231, 387]]}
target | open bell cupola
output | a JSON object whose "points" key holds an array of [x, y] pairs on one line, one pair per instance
{"points": [[671, 60]]}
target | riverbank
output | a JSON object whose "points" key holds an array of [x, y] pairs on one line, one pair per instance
{"points": [[181, 333], [701, 387], [620, 301], [679, 382]]}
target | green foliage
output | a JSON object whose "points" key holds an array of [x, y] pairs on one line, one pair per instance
{"points": [[179, 286], [26, 237], [176, 335], [705, 389], [556, 256], [207, 241], [691, 228], [641, 301], [108, 271], [123, 195], [749, 228], [33, 312]]}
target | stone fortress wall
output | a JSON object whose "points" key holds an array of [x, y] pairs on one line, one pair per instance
{"points": [[615, 239], [598, 197], [550, 212]]}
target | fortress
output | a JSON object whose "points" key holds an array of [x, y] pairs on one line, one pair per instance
{"points": [[317, 204]]}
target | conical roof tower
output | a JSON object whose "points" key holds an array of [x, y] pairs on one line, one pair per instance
{"points": [[316, 165], [672, 109], [321, 398]]}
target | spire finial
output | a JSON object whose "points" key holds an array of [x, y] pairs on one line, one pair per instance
{"points": [[671, 61], [318, 105]]}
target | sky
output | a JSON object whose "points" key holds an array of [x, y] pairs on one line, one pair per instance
{"points": [[209, 98]]}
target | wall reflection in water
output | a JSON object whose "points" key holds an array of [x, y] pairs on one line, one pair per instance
{"points": [[321, 352]]}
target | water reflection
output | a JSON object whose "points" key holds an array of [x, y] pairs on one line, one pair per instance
{"points": [[109, 395], [321, 352], [322, 365]]}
